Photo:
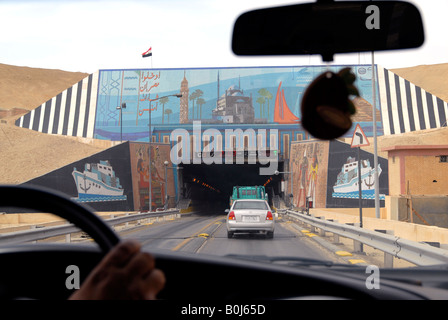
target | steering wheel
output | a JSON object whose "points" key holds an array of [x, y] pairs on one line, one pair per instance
{"points": [[38, 270], [49, 201]]}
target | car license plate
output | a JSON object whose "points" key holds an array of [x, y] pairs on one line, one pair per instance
{"points": [[251, 218]]}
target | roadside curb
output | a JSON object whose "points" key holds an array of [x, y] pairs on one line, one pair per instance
{"points": [[348, 257]]}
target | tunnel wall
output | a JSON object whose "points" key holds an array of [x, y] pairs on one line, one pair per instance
{"points": [[317, 167], [269, 95], [128, 163]]}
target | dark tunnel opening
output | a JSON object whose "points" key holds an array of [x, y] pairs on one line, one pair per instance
{"points": [[210, 186]]}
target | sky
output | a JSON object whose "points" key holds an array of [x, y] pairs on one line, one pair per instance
{"points": [[86, 35]]}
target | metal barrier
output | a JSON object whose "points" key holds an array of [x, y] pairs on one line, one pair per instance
{"points": [[49, 232], [417, 253]]}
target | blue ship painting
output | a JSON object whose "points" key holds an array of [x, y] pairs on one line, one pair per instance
{"points": [[347, 181], [98, 182]]}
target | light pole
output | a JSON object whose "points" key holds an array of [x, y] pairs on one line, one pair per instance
{"points": [[166, 184], [178, 95], [166, 163], [290, 179], [123, 106]]}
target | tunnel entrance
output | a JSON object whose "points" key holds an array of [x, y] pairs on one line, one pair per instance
{"points": [[210, 186]]}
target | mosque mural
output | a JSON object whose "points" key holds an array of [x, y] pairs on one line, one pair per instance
{"points": [[255, 96]]}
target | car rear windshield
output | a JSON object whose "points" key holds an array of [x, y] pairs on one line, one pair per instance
{"points": [[260, 205]]}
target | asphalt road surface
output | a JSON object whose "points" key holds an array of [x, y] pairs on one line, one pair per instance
{"points": [[207, 234]]}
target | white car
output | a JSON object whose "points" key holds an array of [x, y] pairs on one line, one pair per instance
{"points": [[250, 216]]}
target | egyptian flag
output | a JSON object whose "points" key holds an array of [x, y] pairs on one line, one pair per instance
{"points": [[147, 53]]}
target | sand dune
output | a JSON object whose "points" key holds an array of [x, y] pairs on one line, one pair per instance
{"points": [[27, 88], [433, 78], [26, 154]]}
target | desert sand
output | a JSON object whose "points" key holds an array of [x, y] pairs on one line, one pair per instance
{"points": [[433, 78], [28, 88], [26, 154]]}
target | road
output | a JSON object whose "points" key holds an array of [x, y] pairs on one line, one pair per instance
{"points": [[207, 234]]}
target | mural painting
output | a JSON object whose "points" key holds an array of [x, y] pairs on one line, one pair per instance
{"points": [[309, 161], [256, 96], [139, 160], [343, 189], [97, 182], [101, 181]]}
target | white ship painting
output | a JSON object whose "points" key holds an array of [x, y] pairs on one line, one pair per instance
{"points": [[347, 180], [98, 182]]}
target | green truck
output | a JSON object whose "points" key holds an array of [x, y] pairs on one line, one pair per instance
{"points": [[248, 192]]}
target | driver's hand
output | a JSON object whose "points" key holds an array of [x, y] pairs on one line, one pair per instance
{"points": [[124, 273]]}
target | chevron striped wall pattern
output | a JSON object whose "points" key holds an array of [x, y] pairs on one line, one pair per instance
{"points": [[70, 113], [404, 106]]}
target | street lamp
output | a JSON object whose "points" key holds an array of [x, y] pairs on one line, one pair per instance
{"points": [[166, 163], [123, 106], [166, 184], [291, 188], [177, 95]]}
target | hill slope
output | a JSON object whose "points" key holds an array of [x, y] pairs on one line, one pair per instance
{"points": [[433, 78], [28, 88]]}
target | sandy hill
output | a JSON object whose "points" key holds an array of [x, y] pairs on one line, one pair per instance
{"points": [[433, 78], [28, 88], [26, 154]]}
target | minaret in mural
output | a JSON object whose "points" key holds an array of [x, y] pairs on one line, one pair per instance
{"points": [[183, 114]]}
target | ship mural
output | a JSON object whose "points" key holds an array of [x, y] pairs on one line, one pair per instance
{"points": [[346, 185], [97, 183]]}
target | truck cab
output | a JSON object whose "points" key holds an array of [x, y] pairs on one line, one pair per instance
{"points": [[248, 192]]}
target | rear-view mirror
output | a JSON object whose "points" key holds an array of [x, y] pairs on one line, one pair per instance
{"points": [[327, 28]]}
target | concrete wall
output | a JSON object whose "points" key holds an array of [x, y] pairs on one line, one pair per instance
{"points": [[418, 167], [432, 209], [410, 231]]}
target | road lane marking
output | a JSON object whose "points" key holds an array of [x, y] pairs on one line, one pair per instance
{"points": [[183, 243], [344, 253], [203, 235], [356, 261], [309, 234]]}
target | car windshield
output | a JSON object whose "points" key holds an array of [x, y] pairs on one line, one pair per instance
{"points": [[140, 111], [257, 205]]}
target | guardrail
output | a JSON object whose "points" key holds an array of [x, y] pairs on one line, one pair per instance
{"points": [[67, 229], [417, 253]]}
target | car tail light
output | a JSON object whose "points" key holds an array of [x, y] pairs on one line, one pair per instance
{"points": [[269, 216], [231, 215]]}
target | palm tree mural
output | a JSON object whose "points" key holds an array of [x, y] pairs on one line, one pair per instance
{"points": [[199, 94], [163, 101], [200, 102], [261, 101], [168, 112], [192, 98], [267, 96]]}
